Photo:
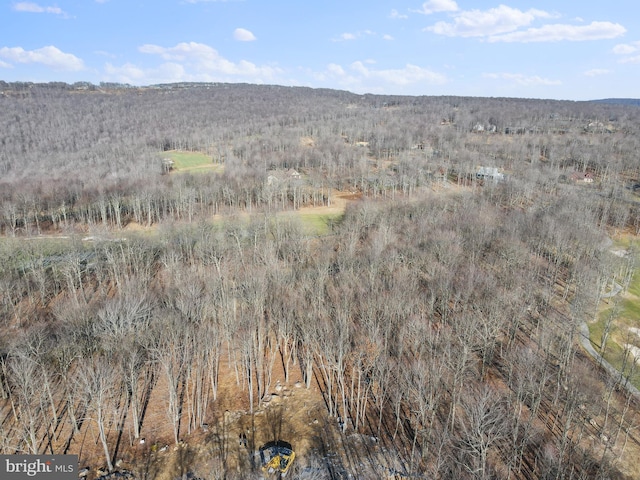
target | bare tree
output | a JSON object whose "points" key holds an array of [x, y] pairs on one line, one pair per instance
{"points": [[483, 425], [171, 354], [27, 400], [97, 378]]}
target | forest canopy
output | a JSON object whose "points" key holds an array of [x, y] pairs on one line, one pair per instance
{"points": [[408, 275]]}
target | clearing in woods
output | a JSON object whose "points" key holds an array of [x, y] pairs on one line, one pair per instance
{"points": [[620, 315], [229, 442], [184, 162], [318, 220], [314, 220]]}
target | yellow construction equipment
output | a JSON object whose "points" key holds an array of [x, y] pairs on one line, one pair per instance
{"points": [[276, 456]]}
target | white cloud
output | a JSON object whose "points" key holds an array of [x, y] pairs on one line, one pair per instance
{"points": [[387, 37], [104, 53], [49, 56], [35, 8], [195, 62], [410, 74], [631, 60], [560, 32], [434, 6], [626, 48], [169, 72], [243, 35], [182, 51], [348, 36], [623, 49], [362, 77], [5, 65], [127, 73], [523, 80], [336, 69], [596, 72], [507, 24], [477, 23], [398, 16]]}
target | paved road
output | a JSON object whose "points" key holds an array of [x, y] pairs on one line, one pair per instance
{"points": [[586, 344], [617, 288]]}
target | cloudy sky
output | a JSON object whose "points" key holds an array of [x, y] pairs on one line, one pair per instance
{"points": [[561, 49]]}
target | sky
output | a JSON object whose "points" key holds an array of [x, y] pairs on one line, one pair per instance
{"points": [[556, 49]]}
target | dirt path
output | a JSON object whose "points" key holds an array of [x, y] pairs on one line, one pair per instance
{"points": [[339, 201]]}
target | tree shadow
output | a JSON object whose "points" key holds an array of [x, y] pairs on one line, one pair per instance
{"points": [[186, 455], [123, 419], [218, 442], [274, 421], [81, 416], [150, 381], [325, 447]]}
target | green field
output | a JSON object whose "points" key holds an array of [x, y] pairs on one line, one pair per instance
{"points": [[623, 312], [192, 162], [311, 224], [320, 223]]}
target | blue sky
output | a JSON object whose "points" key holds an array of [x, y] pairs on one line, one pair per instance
{"points": [[560, 49]]}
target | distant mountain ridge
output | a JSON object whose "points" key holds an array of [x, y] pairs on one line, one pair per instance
{"points": [[619, 101]]}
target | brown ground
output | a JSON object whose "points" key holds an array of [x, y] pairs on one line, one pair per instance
{"points": [[289, 412], [338, 205], [293, 414]]}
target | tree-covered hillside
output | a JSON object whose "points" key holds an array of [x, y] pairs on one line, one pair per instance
{"points": [[393, 285]]}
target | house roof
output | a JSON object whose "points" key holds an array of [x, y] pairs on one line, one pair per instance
{"points": [[581, 176]]}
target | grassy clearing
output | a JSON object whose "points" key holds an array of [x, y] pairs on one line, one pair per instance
{"points": [[35, 253], [36, 246], [634, 287], [626, 315], [320, 223], [631, 311], [614, 352], [192, 162], [312, 224]]}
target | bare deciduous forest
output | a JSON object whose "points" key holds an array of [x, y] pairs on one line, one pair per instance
{"points": [[421, 321]]}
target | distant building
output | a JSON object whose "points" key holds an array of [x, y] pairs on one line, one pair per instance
{"points": [[582, 177], [490, 173], [167, 165], [293, 174], [278, 176]]}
